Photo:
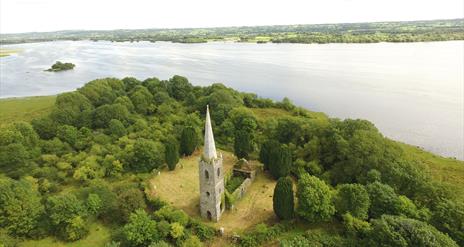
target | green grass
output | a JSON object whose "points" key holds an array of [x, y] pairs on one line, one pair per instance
{"points": [[447, 170], [24, 109], [7, 52], [98, 236]]}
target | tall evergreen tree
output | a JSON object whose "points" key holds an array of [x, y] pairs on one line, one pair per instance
{"points": [[267, 148], [172, 154], [283, 201], [280, 162], [242, 144], [189, 141]]}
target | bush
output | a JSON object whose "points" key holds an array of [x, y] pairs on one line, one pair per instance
{"points": [[353, 199], [283, 198], [399, 231], [314, 199], [141, 229], [448, 217], [147, 155]]}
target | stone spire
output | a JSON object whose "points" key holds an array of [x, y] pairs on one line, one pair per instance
{"points": [[209, 150]]}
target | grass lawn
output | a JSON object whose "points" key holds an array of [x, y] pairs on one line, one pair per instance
{"points": [[24, 109], [180, 188], [98, 236]]}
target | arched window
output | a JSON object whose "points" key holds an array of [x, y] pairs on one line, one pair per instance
{"points": [[206, 174], [207, 193], [219, 171]]}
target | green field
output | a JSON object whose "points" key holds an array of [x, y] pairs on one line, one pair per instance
{"points": [[24, 109], [7, 52]]}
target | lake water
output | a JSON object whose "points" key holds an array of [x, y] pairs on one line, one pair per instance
{"points": [[413, 92]]}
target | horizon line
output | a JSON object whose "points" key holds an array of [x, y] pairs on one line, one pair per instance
{"points": [[232, 26]]}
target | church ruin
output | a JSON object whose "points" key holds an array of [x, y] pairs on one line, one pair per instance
{"points": [[211, 174]]}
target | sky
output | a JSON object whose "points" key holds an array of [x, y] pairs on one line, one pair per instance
{"points": [[51, 15]]}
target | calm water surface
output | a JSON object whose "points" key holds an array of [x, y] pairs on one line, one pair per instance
{"points": [[413, 92]]}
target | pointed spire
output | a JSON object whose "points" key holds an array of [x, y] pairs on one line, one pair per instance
{"points": [[209, 150]]}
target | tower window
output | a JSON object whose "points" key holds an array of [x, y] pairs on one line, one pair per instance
{"points": [[206, 174], [219, 171], [207, 193]]}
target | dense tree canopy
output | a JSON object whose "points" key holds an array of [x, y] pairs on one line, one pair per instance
{"points": [[91, 158]]}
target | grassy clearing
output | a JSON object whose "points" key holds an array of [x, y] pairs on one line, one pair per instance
{"points": [[98, 236], [180, 188], [24, 109], [263, 114], [6, 52], [447, 170]]}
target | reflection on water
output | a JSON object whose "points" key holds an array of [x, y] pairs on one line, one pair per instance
{"points": [[413, 92]]}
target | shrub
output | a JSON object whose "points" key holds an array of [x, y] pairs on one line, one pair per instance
{"points": [[399, 231], [314, 199], [353, 199], [448, 217], [140, 230]]}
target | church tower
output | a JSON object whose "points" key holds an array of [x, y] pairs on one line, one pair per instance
{"points": [[211, 177]]}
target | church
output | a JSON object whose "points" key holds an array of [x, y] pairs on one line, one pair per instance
{"points": [[211, 174]]}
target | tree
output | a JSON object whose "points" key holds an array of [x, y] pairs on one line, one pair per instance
{"points": [[20, 207], [72, 109], [314, 199], [267, 148], [116, 128], [147, 156], [280, 161], [105, 113], [353, 199], [129, 200], [67, 133], [383, 198], [245, 124], [67, 214], [243, 144], [172, 154], [179, 87], [45, 127], [188, 140], [283, 198], [14, 160], [141, 229], [448, 217], [142, 99], [399, 231]]}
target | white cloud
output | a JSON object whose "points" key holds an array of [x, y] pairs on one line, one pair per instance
{"points": [[50, 15]]}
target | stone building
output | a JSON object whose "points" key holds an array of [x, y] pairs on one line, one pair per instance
{"points": [[211, 177]]}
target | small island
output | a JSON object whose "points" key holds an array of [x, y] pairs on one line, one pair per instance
{"points": [[59, 66]]}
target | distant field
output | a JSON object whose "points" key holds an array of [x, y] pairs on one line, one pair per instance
{"points": [[7, 52], [24, 109]]}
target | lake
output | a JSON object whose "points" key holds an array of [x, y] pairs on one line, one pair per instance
{"points": [[413, 92]]}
